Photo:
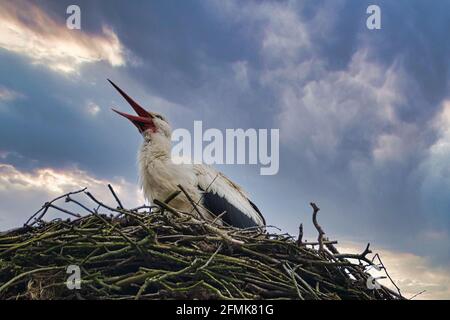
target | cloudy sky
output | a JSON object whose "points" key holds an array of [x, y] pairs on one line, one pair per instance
{"points": [[364, 115]]}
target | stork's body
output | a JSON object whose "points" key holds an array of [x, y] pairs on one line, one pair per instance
{"points": [[160, 177]]}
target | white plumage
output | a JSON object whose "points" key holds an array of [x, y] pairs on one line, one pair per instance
{"points": [[160, 177]]}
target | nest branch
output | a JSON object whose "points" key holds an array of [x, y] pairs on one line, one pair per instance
{"points": [[159, 252]]}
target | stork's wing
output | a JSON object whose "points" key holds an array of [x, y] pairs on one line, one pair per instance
{"points": [[222, 195]]}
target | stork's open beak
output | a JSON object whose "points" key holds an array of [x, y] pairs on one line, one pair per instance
{"points": [[143, 121]]}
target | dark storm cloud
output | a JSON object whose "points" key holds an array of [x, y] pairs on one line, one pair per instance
{"points": [[187, 56], [357, 107]]}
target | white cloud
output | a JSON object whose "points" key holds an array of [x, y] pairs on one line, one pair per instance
{"points": [[9, 95], [285, 36], [411, 273], [388, 147], [92, 108], [321, 113], [441, 124], [49, 42], [435, 167], [22, 193], [396, 146]]}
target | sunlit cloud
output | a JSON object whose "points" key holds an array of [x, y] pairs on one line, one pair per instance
{"points": [[413, 274], [22, 192], [49, 42]]}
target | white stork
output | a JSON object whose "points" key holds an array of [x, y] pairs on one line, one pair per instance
{"points": [[160, 177]]}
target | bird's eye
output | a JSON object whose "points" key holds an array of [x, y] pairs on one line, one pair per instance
{"points": [[159, 117]]}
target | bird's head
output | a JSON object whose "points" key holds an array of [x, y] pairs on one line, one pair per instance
{"points": [[150, 124]]}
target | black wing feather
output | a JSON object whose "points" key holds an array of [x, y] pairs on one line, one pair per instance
{"points": [[233, 216], [257, 210]]}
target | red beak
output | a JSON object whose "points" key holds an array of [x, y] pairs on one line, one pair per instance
{"points": [[143, 120]]}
